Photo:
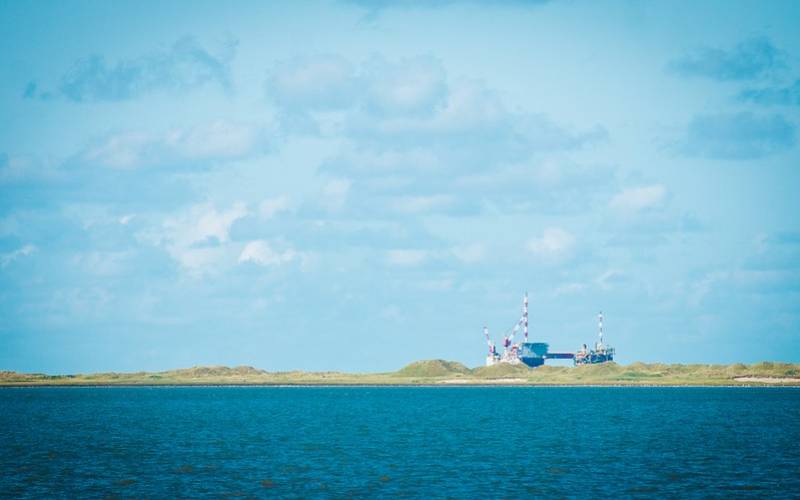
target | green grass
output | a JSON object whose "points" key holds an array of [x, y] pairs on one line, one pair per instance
{"points": [[435, 372], [432, 368]]}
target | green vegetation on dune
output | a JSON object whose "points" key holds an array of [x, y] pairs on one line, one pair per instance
{"points": [[441, 372], [432, 368], [502, 371]]}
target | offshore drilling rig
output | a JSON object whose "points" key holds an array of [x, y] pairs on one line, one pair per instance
{"points": [[534, 354]]}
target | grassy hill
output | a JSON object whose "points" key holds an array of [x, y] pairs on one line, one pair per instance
{"points": [[432, 368], [441, 372]]}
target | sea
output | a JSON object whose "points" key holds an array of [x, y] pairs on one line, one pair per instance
{"points": [[407, 442]]}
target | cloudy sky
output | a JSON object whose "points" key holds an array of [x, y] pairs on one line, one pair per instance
{"points": [[354, 185]]}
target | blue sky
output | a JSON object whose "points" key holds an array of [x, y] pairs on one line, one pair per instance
{"points": [[356, 185]]}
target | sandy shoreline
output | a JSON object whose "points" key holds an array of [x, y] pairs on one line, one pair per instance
{"points": [[769, 380], [506, 381]]}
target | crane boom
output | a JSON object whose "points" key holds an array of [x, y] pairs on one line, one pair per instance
{"points": [[488, 340]]}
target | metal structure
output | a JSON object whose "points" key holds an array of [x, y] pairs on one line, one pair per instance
{"points": [[534, 354], [492, 357], [601, 352]]}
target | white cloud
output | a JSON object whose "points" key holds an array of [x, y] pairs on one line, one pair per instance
{"points": [[611, 278], [325, 83], [701, 288], [24, 167], [374, 163], [569, 289], [219, 139], [209, 223], [125, 219], [123, 150], [639, 198], [471, 253], [410, 86], [470, 105], [103, 263], [261, 252], [184, 66], [401, 104], [334, 194], [406, 257], [322, 82], [272, 206], [554, 242], [468, 109], [212, 142], [410, 136], [198, 238], [742, 281], [8, 258], [420, 204]]}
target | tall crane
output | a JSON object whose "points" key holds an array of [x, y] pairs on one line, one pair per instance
{"points": [[509, 338], [511, 351], [492, 357], [492, 350], [522, 323]]}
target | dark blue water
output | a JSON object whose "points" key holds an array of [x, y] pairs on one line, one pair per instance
{"points": [[409, 442]]}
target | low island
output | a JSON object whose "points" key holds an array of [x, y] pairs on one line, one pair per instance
{"points": [[441, 373]]}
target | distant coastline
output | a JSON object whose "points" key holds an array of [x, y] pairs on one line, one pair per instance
{"points": [[439, 373]]}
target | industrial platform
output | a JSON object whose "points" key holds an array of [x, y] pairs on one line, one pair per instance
{"points": [[535, 354]]}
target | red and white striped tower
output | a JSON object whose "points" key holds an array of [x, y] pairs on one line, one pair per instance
{"points": [[525, 315], [600, 326]]}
